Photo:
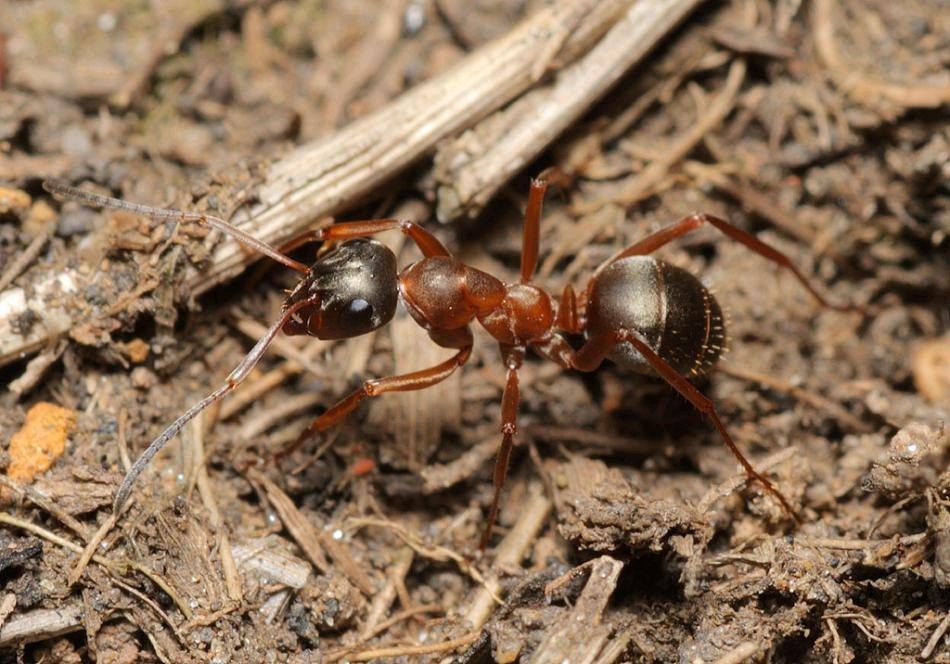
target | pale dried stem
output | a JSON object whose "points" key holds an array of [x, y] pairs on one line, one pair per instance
{"points": [[478, 164], [510, 553]]}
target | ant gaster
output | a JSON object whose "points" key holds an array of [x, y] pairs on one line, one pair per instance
{"points": [[639, 311]]}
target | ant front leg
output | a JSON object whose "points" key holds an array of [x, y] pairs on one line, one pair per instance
{"points": [[460, 339], [428, 244]]}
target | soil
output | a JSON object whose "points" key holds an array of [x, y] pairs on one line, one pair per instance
{"points": [[624, 514]]}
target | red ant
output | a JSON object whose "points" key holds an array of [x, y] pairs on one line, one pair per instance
{"points": [[638, 311]]}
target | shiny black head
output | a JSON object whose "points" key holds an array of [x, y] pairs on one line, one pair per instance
{"points": [[351, 290]]}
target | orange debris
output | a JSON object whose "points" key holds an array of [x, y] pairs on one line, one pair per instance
{"points": [[40, 441]]}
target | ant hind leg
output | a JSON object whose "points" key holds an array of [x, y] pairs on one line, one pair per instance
{"points": [[596, 349]]}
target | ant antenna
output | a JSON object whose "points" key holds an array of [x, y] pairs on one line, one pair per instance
{"points": [[98, 200], [241, 371], [235, 378]]}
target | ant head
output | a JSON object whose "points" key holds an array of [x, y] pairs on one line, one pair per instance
{"points": [[352, 289]]}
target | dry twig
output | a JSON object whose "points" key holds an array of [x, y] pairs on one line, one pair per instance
{"points": [[479, 162], [510, 552], [561, 642], [316, 542], [118, 567]]}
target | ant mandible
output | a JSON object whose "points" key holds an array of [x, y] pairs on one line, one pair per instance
{"points": [[639, 311]]}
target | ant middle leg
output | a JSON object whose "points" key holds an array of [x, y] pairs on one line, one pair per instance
{"points": [[417, 380], [531, 233], [511, 397]]}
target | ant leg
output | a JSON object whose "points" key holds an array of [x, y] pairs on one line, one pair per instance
{"points": [[568, 319], [531, 235], [321, 235], [299, 240], [514, 356], [416, 380], [593, 352], [693, 222], [428, 244]]}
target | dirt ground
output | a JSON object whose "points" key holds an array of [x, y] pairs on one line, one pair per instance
{"points": [[627, 531]]}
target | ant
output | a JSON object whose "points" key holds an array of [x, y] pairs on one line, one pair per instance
{"points": [[639, 311]]}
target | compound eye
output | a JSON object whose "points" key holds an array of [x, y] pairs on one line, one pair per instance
{"points": [[357, 317]]}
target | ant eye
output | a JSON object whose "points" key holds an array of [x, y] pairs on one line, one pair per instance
{"points": [[358, 315]]}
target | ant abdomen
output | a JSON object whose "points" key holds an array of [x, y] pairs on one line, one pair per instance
{"points": [[673, 313]]}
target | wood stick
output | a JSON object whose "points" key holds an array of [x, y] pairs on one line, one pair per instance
{"points": [[471, 171]]}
